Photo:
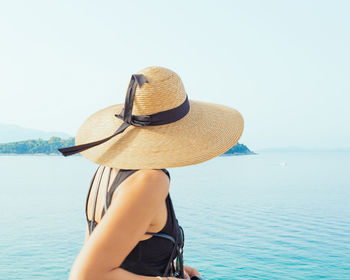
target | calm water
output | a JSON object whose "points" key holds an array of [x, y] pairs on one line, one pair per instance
{"points": [[266, 216]]}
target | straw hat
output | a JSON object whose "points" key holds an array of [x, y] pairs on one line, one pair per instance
{"points": [[134, 135]]}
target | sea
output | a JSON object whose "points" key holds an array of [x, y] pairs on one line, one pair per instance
{"points": [[273, 215]]}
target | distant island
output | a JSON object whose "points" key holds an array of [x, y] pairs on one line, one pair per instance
{"points": [[239, 149], [36, 146], [50, 146]]}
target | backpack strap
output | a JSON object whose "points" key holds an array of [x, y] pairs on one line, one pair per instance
{"points": [[177, 270]]}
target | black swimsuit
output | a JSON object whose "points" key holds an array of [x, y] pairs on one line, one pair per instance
{"points": [[153, 256]]}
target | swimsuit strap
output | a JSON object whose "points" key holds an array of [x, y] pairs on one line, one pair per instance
{"points": [[108, 182], [92, 223], [121, 176]]}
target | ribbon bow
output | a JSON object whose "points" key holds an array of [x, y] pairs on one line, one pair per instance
{"points": [[136, 80], [163, 117]]}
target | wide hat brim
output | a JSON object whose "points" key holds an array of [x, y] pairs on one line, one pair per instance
{"points": [[208, 130]]}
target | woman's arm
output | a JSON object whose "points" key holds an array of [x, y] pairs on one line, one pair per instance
{"points": [[121, 228]]}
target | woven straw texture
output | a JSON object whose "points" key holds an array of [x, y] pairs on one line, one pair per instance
{"points": [[208, 129]]}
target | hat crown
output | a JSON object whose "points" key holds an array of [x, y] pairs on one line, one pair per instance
{"points": [[163, 91]]}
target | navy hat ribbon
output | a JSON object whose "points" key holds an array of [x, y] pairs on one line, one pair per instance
{"points": [[159, 118]]}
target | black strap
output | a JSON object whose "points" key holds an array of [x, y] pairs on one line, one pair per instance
{"points": [[121, 176], [88, 196], [92, 223], [172, 256], [164, 117], [109, 179], [163, 235]]}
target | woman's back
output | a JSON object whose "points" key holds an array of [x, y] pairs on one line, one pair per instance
{"points": [[152, 254]]}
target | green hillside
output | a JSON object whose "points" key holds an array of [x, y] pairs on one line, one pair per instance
{"points": [[40, 146], [36, 146]]}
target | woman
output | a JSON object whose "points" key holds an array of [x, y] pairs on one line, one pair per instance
{"points": [[133, 232]]}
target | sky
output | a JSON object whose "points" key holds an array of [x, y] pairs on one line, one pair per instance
{"points": [[284, 65]]}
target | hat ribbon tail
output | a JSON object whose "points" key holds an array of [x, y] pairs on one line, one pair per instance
{"points": [[136, 80], [79, 148]]}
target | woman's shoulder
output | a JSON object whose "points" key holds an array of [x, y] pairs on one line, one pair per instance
{"points": [[149, 178], [153, 173], [140, 180], [145, 183], [144, 174], [106, 175], [130, 177]]}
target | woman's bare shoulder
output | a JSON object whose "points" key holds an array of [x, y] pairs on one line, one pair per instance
{"points": [[153, 174], [148, 179], [150, 174]]}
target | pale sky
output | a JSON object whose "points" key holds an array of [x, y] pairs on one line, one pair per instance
{"points": [[283, 64]]}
